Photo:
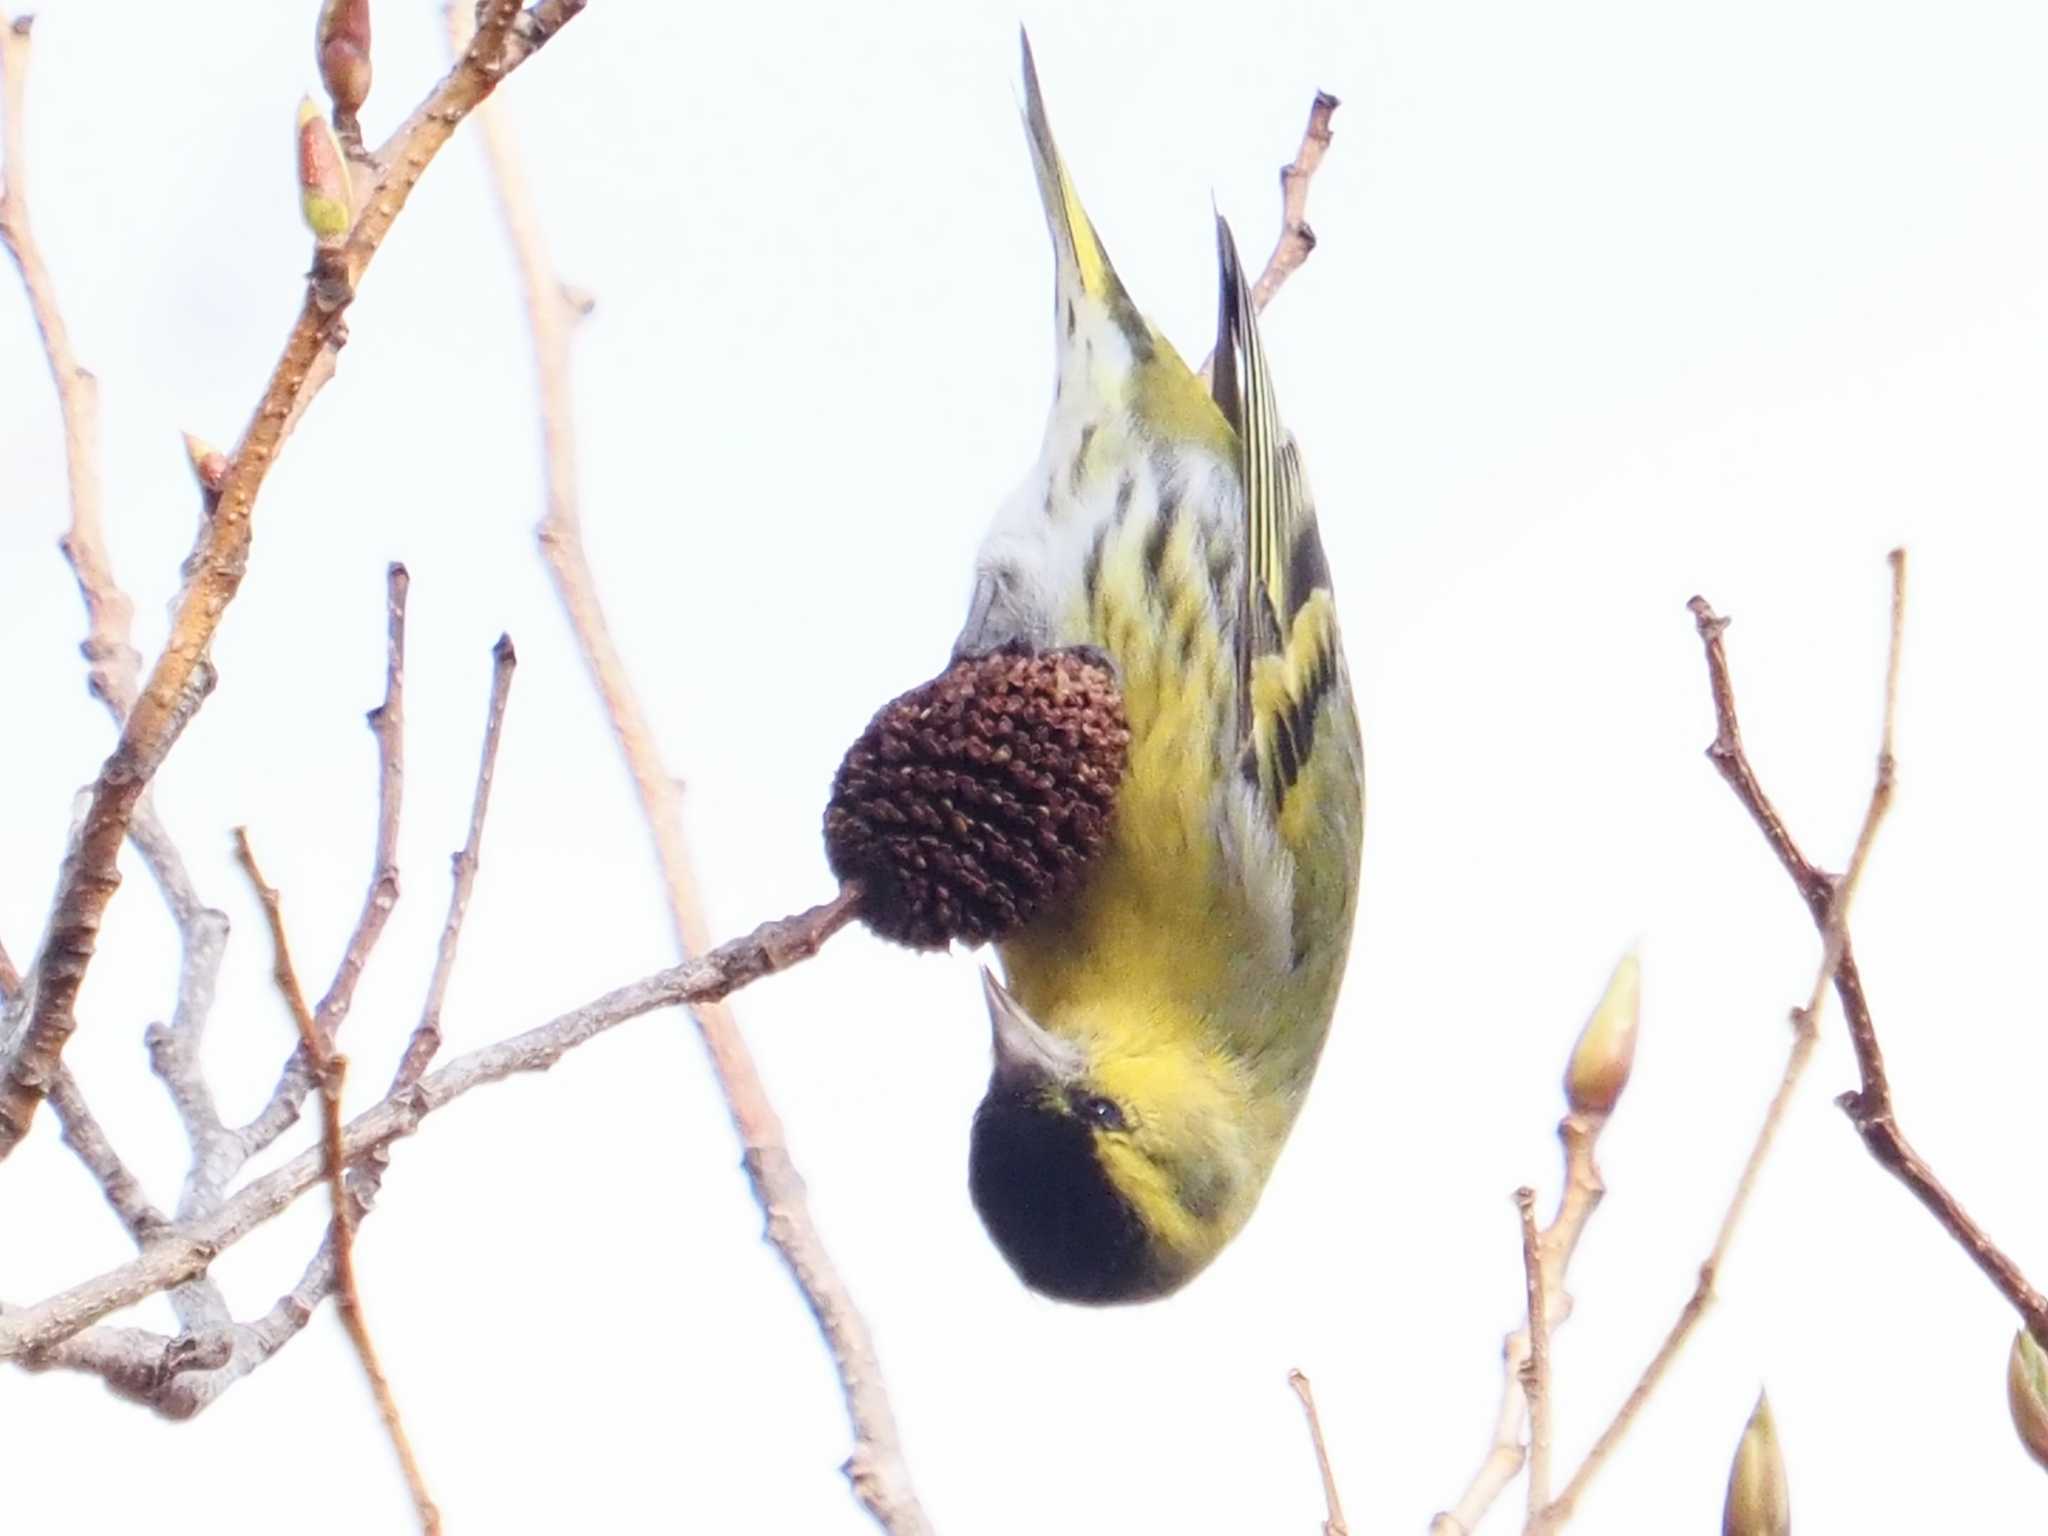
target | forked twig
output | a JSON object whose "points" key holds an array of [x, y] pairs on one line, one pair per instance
{"points": [[1869, 1106], [192, 1387], [189, 1248], [182, 674], [1832, 913], [114, 670], [1594, 1079]]}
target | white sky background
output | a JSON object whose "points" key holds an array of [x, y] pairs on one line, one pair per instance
{"points": [[1614, 304]]}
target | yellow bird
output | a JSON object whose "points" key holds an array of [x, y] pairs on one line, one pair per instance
{"points": [[1158, 1031]]}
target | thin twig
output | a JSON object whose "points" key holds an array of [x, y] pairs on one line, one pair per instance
{"points": [[282, 971], [1832, 913], [1536, 1369], [84, 1134], [1333, 1521], [1296, 240], [189, 1248], [877, 1469], [426, 1035], [114, 676], [331, 1068], [425, 1041], [10, 978], [387, 723], [115, 664], [1869, 1107], [182, 674], [191, 1391], [1579, 1135]]}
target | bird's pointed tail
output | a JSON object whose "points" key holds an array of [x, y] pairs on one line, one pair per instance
{"points": [[1083, 264]]}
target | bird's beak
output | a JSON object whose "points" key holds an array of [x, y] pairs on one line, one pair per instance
{"points": [[1025, 1050]]}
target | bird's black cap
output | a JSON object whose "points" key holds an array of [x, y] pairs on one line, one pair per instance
{"points": [[1050, 1207]]}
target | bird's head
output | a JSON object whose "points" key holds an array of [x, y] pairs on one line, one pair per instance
{"points": [[1111, 1160]]}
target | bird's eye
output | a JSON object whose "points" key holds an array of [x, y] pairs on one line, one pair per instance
{"points": [[1106, 1113]]}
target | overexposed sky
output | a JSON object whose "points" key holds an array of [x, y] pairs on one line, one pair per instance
{"points": [[1614, 304]]}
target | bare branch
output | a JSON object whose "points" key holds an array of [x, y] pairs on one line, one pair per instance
{"points": [[282, 971], [426, 1035], [182, 675], [1333, 1521], [877, 1469], [331, 1068], [1296, 240], [185, 1252], [135, 1363], [115, 664], [1869, 1107], [1536, 1369], [387, 724], [1836, 969], [1578, 1134], [86, 1137], [114, 675]]}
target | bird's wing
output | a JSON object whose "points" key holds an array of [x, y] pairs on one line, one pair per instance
{"points": [[1289, 667]]}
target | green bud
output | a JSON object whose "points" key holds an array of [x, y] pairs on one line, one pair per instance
{"points": [[323, 177], [343, 46], [1759, 1502], [1606, 1051], [2026, 1392]]}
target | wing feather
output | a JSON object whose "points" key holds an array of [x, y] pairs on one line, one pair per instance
{"points": [[1288, 662]]}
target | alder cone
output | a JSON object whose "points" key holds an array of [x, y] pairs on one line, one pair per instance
{"points": [[976, 800]]}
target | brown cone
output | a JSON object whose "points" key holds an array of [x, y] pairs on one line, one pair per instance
{"points": [[973, 801]]}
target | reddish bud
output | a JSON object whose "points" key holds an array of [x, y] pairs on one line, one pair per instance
{"points": [[209, 464], [343, 46], [323, 177]]}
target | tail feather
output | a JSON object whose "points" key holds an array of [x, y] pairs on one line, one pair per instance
{"points": [[1084, 265]]}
